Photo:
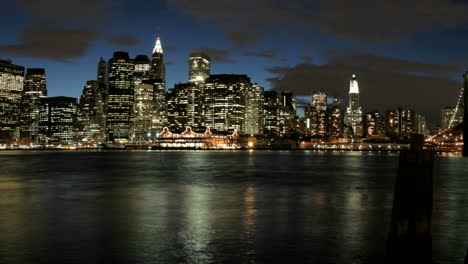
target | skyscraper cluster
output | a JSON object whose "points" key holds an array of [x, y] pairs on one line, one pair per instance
{"points": [[129, 102]]}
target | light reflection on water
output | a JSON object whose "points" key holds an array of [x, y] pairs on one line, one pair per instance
{"points": [[212, 207]]}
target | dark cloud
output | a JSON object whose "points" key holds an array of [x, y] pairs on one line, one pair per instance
{"points": [[216, 55], [245, 22], [63, 29], [82, 11], [52, 42], [268, 54], [379, 88], [124, 40]]}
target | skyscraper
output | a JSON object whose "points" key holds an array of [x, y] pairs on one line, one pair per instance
{"points": [[142, 69], [336, 122], [158, 78], [446, 116], [353, 116], [270, 113], [102, 73], [56, 120], [224, 106], [91, 118], [158, 69], [35, 88], [143, 110], [120, 98], [184, 107], [199, 67], [318, 114], [11, 87], [254, 110]]}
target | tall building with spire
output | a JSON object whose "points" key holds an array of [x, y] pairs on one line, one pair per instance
{"points": [[158, 69], [353, 116], [158, 78]]}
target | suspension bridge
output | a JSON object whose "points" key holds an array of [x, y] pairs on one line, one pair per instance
{"points": [[451, 137]]}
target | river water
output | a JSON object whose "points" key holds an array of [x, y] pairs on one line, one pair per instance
{"points": [[214, 207]]}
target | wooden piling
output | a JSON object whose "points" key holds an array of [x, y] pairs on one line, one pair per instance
{"points": [[410, 236]]}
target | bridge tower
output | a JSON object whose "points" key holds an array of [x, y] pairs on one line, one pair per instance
{"points": [[465, 115]]}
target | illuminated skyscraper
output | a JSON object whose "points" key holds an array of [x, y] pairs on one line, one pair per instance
{"points": [[224, 102], [446, 116], [271, 113], [199, 67], [11, 87], [336, 122], [318, 114], [158, 69], [144, 111], [353, 116], [35, 88], [370, 124], [158, 78], [91, 118], [184, 107], [319, 101], [254, 110], [56, 120], [142, 69], [120, 98]]}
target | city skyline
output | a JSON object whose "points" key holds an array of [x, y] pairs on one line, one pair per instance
{"points": [[388, 62]]}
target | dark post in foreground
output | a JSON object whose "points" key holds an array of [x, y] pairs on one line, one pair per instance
{"points": [[410, 236], [465, 114]]}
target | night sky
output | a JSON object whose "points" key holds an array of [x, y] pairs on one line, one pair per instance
{"points": [[405, 53]]}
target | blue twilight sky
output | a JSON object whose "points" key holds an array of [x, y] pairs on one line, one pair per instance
{"points": [[405, 53]]}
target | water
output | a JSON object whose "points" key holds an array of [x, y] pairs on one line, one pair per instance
{"points": [[214, 207]]}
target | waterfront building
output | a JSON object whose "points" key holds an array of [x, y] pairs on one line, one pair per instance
{"points": [[318, 115], [56, 120], [91, 116], [120, 98], [371, 124], [254, 110], [353, 116], [224, 102], [184, 107], [271, 113], [421, 126], [199, 67], [392, 123], [336, 122], [11, 88], [408, 124], [35, 88]]}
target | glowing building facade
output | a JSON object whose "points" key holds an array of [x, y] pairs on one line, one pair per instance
{"points": [[91, 117], [353, 116], [199, 67], [184, 107], [35, 88], [271, 113], [11, 87], [120, 98], [224, 102], [56, 120], [254, 110]]}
